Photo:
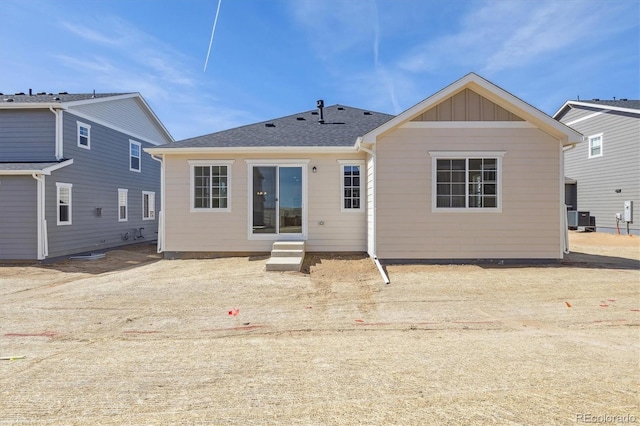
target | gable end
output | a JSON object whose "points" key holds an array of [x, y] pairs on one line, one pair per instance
{"points": [[467, 105]]}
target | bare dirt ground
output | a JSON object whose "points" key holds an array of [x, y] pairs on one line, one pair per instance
{"points": [[133, 339]]}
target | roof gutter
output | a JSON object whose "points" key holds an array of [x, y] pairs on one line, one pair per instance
{"points": [[253, 150]]}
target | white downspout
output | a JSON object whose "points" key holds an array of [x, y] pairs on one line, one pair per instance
{"points": [[42, 239], [160, 247], [59, 152], [372, 153], [563, 216]]}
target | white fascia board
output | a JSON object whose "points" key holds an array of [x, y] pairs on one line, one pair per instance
{"points": [[254, 150], [592, 105], [50, 169], [102, 99], [43, 171], [31, 105]]}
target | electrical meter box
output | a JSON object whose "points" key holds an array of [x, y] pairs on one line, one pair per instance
{"points": [[627, 213]]}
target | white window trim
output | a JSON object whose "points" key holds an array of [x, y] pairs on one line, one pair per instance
{"points": [[435, 155], [126, 204], [591, 138], [88, 127], [59, 186], [359, 163], [206, 163], [151, 213], [139, 169]]}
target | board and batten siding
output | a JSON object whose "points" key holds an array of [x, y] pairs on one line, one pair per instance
{"points": [[96, 175], [19, 223], [598, 178], [528, 227], [467, 105], [27, 135], [127, 114], [227, 232]]}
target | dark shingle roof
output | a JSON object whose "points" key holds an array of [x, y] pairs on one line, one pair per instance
{"points": [[342, 126], [620, 103], [53, 97]]}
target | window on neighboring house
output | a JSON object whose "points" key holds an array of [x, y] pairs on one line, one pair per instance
{"points": [[210, 185], [148, 205], [123, 195], [134, 156], [467, 182], [84, 135], [63, 191], [595, 146], [351, 174]]}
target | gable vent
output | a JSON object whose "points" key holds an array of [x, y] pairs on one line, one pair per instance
{"points": [[269, 125], [340, 109]]}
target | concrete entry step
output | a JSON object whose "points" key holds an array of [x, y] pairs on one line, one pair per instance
{"points": [[286, 256], [288, 245]]}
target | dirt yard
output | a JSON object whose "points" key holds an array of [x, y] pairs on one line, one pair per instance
{"points": [[133, 339]]}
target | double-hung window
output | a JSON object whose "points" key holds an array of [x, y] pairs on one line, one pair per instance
{"points": [[134, 156], [148, 205], [467, 181], [84, 135], [595, 146], [351, 186], [63, 195], [123, 205], [210, 185]]}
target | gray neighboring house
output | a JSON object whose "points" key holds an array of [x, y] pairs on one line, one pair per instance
{"points": [[73, 174], [604, 171]]}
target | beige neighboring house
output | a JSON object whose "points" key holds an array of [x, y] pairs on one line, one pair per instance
{"points": [[470, 174]]}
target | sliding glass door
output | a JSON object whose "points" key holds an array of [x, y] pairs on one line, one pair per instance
{"points": [[277, 200]]}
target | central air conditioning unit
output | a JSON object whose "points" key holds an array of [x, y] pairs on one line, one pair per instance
{"points": [[576, 219]]}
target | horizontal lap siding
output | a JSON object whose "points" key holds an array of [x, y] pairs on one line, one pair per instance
{"points": [[27, 135], [127, 114], [527, 227], [19, 224], [598, 178], [96, 174], [228, 231]]}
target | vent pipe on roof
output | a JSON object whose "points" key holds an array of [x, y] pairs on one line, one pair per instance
{"points": [[30, 92], [320, 105]]}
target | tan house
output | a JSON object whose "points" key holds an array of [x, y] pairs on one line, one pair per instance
{"points": [[470, 174]]}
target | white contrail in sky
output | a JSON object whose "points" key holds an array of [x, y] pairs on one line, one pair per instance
{"points": [[213, 31]]}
